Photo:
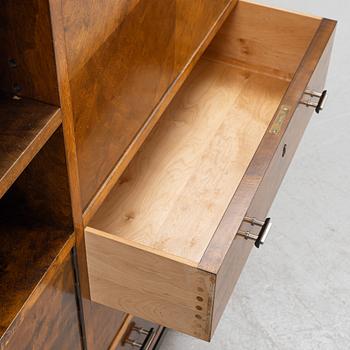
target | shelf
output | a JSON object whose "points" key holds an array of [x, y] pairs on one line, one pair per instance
{"points": [[26, 254], [35, 223], [25, 126], [176, 190]]}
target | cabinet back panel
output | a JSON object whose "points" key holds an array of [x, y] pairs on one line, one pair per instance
{"points": [[27, 63]]}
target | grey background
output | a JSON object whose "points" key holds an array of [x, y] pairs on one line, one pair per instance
{"points": [[295, 291]]}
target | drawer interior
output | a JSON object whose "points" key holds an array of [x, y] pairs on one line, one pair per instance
{"points": [[177, 188], [174, 193]]}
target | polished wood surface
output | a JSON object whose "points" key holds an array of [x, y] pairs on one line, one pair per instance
{"points": [[177, 188], [142, 238], [163, 198], [49, 318], [105, 325], [27, 64], [145, 48], [265, 39], [100, 322], [35, 223], [25, 127]]}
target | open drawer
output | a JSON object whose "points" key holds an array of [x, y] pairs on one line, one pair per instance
{"points": [[171, 239]]}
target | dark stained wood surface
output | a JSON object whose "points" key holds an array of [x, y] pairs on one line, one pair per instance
{"points": [[25, 126], [142, 48], [101, 323], [27, 65], [154, 117], [35, 223], [49, 318], [106, 323]]}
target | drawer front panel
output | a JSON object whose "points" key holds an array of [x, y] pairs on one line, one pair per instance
{"points": [[239, 251], [122, 58]]}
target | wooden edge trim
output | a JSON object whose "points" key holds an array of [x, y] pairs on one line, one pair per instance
{"points": [[147, 127], [59, 40], [140, 246], [121, 332], [31, 151], [41, 286], [281, 9], [223, 237]]}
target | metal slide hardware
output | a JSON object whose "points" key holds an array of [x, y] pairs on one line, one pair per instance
{"points": [[150, 333], [309, 101], [262, 235]]}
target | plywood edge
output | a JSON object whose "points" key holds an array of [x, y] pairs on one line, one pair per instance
{"points": [[142, 247], [223, 237], [156, 114]]}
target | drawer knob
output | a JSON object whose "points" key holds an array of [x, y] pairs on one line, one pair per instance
{"points": [[258, 238], [309, 101]]}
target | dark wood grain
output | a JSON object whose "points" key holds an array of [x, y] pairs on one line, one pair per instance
{"points": [[136, 60], [35, 223], [49, 317], [27, 65], [25, 127]]}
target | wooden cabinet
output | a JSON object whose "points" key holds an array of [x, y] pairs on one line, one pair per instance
{"points": [[170, 241], [159, 133]]}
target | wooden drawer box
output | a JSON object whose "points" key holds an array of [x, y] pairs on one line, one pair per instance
{"points": [[167, 244]]}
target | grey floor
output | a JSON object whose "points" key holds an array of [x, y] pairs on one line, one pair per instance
{"points": [[295, 292]]}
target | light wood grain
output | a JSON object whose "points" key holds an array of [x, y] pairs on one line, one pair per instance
{"points": [[148, 285], [156, 114], [174, 194], [163, 244], [264, 38]]}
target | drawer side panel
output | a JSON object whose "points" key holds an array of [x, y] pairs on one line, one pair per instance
{"points": [[156, 288]]}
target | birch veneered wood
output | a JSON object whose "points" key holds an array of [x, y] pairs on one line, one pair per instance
{"points": [[177, 188], [163, 245], [138, 51]]}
